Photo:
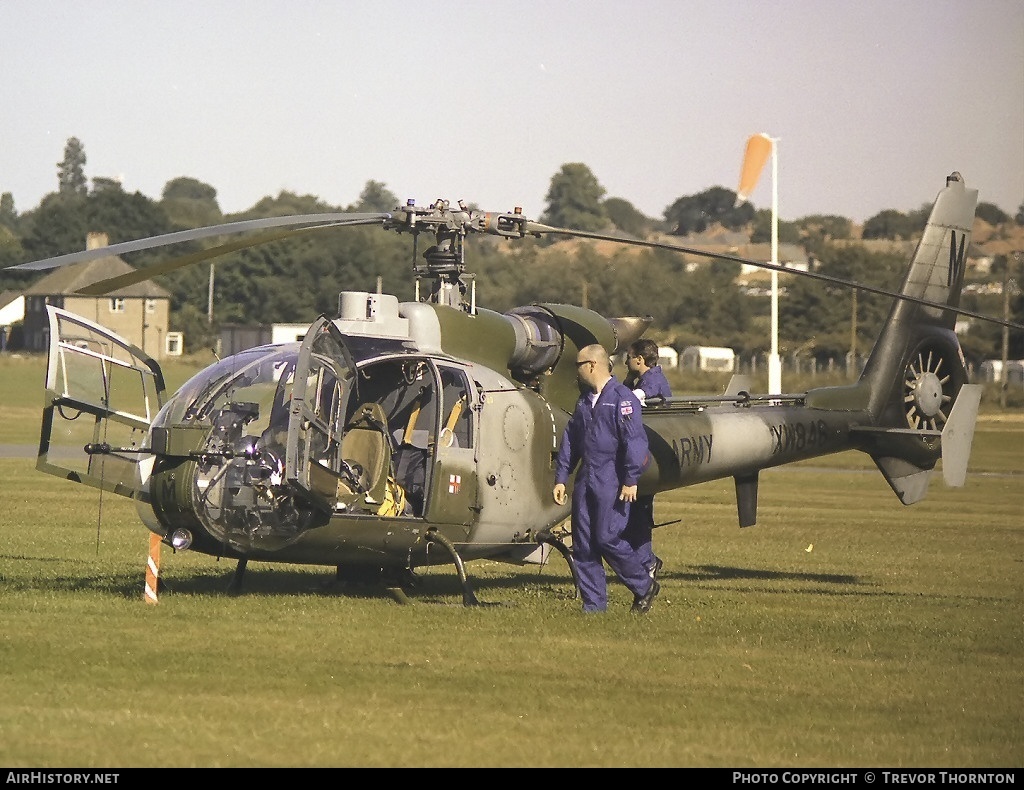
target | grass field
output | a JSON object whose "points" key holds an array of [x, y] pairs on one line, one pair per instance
{"points": [[844, 630]]}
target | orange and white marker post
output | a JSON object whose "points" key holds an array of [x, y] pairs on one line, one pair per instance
{"points": [[152, 568]]}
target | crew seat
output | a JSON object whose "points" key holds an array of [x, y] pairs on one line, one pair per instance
{"points": [[366, 454]]}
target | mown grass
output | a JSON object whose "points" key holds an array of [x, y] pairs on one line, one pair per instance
{"points": [[843, 630]]}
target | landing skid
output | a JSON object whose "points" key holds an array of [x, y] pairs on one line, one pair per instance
{"points": [[396, 582], [551, 539], [468, 596], [235, 585]]}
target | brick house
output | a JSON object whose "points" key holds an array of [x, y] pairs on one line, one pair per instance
{"points": [[139, 313]]}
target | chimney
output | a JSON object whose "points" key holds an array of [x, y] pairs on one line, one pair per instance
{"points": [[94, 241]]}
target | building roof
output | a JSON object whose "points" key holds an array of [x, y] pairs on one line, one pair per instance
{"points": [[67, 280], [6, 297], [12, 307]]}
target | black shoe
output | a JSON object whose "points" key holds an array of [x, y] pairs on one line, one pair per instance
{"points": [[655, 569], [642, 603]]}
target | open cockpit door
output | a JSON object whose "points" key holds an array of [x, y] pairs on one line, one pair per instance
{"points": [[324, 377], [101, 391]]}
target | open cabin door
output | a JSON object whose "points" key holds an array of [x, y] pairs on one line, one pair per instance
{"points": [[100, 390], [324, 377]]}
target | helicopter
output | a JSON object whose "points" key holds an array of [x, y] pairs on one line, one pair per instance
{"points": [[395, 436]]}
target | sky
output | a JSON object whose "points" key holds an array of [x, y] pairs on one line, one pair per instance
{"points": [[871, 102]]}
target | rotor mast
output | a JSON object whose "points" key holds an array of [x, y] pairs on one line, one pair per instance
{"points": [[444, 262]]}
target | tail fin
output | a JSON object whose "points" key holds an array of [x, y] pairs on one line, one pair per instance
{"points": [[916, 372], [958, 434], [740, 383]]}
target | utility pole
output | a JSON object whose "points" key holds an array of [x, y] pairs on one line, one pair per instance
{"points": [[853, 337], [1008, 285], [209, 299]]}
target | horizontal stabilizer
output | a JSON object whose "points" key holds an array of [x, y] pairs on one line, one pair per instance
{"points": [[958, 434]]}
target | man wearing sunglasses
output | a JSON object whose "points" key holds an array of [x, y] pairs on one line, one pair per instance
{"points": [[605, 438]]}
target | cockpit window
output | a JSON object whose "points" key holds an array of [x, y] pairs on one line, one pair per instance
{"points": [[257, 380], [261, 375]]}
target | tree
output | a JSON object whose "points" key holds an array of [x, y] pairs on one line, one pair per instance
{"points": [[287, 203], [123, 216], [984, 339], [190, 319], [789, 232], [185, 188], [695, 213], [376, 197], [817, 231], [823, 228], [71, 170], [100, 184], [991, 213], [61, 222], [190, 203], [887, 224], [56, 227], [8, 216], [574, 199], [813, 309], [11, 253], [892, 224], [627, 218], [713, 307]]}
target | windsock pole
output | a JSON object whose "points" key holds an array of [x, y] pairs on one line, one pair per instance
{"points": [[759, 148]]}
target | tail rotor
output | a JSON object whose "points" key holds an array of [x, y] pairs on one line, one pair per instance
{"points": [[929, 390]]}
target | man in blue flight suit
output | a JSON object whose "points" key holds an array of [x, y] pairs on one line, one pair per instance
{"points": [[605, 436], [647, 380]]}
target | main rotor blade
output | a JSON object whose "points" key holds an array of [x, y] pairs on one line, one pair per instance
{"points": [[178, 237], [102, 287], [539, 228]]}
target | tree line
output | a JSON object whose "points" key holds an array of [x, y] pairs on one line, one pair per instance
{"points": [[297, 279]]}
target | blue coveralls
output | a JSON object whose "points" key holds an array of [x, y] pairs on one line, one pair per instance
{"points": [[609, 443], [641, 515], [653, 383]]}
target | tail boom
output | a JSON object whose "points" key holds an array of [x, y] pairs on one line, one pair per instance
{"points": [[911, 406]]}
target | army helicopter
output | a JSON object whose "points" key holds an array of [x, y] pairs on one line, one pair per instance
{"points": [[396, 436]]}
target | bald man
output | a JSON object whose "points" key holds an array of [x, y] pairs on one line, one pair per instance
{"points": [[605, 438]]}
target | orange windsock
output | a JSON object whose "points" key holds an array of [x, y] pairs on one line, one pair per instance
{"points": [[759, 147]]}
